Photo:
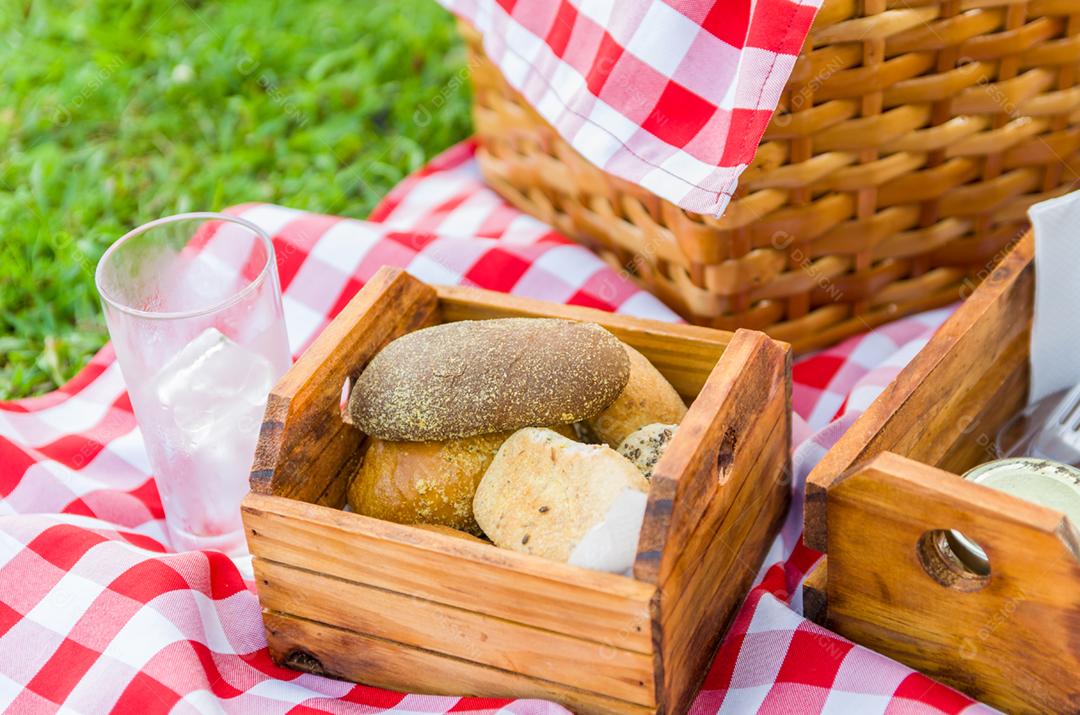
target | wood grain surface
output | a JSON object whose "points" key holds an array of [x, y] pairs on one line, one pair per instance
{"points": [[881, 500], [327, 650], [1011, 641], [422, 611]]}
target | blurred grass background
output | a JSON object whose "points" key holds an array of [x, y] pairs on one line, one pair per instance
{"points": [[113, 114]]}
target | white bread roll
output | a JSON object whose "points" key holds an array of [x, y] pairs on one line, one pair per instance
{"points": [[543, 493]]}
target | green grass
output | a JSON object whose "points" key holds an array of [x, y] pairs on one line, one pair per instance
{"points": [[111, 116]]}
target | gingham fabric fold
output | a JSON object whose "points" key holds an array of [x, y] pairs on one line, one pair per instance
{"points": [[673, 95], [96, 613]]}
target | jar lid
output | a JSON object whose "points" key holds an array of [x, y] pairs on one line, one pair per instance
{"points": [[1040, 481]]}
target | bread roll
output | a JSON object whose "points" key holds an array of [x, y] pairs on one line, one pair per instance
{"points": [[543, 492], [648, 398], [645, 446], [423, 482], [481, 376]]}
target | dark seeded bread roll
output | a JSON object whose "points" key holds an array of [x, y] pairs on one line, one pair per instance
{"points": [[481, 376], [646, 446]]}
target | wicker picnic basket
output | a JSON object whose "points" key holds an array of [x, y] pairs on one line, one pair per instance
{"points": [[909, 142]]}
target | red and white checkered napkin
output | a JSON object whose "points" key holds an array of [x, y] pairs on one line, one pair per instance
{"points": [[673, 95], [96, 614]]}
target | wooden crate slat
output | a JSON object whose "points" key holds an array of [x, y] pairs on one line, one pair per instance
{"points": [[695, 611], [1004, 393], [949, 426], [720, 437], [458, 632], [815, 593], [746, 491], [304, 442], [718, 492], [339, 653], [601, 607]]}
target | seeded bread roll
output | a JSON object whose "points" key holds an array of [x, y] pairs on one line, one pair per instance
{"points": [[481, 376], [543, 492], [648, 398], [645, 446], [425, 482]]}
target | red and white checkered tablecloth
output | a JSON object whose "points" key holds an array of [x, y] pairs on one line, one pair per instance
{"points": [[97, 614], [673, 95]]}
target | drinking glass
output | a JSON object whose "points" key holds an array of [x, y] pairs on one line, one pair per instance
{"points": [[193, 306]]}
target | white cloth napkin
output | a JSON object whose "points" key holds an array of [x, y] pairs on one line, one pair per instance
{"points": [[1055, 333]]}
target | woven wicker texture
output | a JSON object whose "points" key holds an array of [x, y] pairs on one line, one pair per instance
{"points": [[909, 142]]}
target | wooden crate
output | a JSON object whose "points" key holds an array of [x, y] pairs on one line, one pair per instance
{"points": [[879, 500], [398, 607]]}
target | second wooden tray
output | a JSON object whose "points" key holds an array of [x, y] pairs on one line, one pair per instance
{"points": [[879, 504]]}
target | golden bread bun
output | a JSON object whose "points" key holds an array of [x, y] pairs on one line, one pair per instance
{"points": [[424, 482], [648, 398]]}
